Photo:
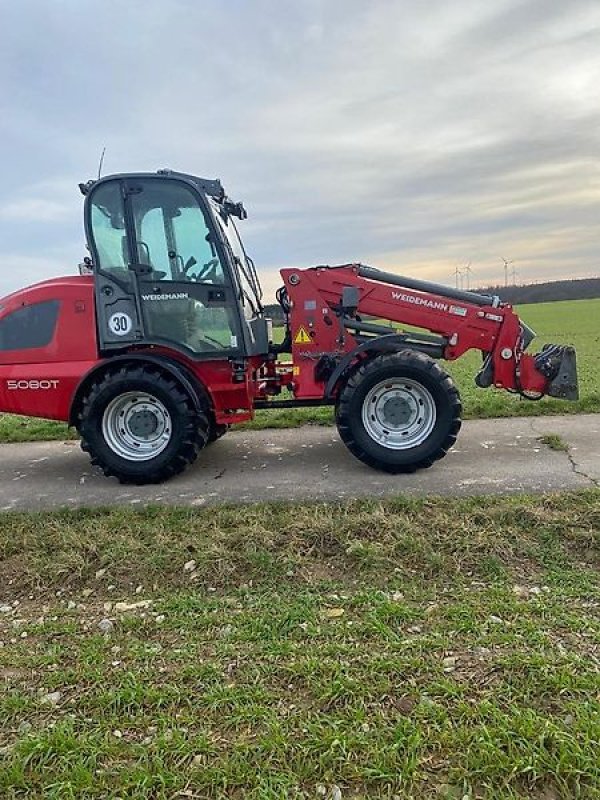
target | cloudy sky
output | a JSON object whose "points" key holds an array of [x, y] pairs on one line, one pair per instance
{"points": [[412, 136]]}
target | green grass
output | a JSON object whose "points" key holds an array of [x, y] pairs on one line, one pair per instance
{"points": [[32, 429], [555, 442], [411, 648], [571, 322]]}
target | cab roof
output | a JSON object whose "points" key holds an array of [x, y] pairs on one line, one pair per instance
{"points": [[210, 186]]}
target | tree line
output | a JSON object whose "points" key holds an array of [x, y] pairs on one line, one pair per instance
{"points": [[547, 292]]}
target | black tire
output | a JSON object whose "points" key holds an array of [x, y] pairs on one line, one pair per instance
{"points": [[216, 432], [440, 393], [185, 434]]}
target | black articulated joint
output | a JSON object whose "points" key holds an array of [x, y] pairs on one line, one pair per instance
{"points": [[325, 367]]}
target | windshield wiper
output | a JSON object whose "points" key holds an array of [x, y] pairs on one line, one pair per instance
{"points": [[255, 280], [257, 308]]}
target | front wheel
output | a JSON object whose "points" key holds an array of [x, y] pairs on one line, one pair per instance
{"points": [[140, 426], [399, 412]]}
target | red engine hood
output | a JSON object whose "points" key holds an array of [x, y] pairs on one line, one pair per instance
{"points": [[51, 288]]}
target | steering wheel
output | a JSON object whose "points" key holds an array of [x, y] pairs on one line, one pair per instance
{"points": [[206, 272]]}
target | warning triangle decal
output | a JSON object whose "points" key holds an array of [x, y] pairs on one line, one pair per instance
{"points": [[302, 336]]}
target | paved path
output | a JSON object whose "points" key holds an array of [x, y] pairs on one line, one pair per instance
{"points": [[491, 457]]}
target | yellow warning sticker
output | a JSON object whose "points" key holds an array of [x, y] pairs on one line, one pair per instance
{"points": [[302, 336]]}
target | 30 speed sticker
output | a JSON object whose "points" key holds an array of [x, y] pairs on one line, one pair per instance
{"points": [[120, 324]]}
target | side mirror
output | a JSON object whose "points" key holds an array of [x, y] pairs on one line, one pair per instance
{"points": [[235, 209]]}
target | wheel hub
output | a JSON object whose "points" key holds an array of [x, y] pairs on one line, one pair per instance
{"points": [[399, 413], [396, 411], [143, 423], [136, 426]]}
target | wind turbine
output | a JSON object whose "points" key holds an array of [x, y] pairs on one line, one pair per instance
{"points": [[506, 265], [468, 273], [457, 275]]}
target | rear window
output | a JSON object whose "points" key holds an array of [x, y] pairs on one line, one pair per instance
{"points": [[29, 327]]}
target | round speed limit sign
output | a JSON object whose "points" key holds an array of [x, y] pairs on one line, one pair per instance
{"points": [[120, 324]]}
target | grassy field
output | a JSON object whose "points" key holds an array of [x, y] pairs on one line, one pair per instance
{"points": [[574, 322], [406, 649]]}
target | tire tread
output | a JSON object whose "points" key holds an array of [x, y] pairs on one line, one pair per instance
{"points": [[196, 425], [400, 359]]}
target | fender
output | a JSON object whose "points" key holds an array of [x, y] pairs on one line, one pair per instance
{"points": [[197, 392], [389, 343]]}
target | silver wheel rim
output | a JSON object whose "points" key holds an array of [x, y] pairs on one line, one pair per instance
{"points": [[399, 413], [136, 426]]}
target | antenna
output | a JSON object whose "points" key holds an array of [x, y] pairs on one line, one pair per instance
{"points": [[101, 162]]}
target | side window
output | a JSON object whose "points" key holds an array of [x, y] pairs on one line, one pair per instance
{"points": [[193, 243], [29, 327], [243, 269], [152, 244], [108, 226], [172, 234]]}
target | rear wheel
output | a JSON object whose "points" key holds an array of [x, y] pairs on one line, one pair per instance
{"points": [[140, 426], [399, 412]]}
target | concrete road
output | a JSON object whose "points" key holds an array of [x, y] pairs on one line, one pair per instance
{"points": [[311, 463]]}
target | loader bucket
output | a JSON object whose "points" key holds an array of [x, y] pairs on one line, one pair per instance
{"points": [[563, 383]]}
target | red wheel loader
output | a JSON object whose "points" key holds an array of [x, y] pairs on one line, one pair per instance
{"points": [[163, 343]]}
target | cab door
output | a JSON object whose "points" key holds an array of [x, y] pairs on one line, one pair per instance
{"points": [[118, 312], [171, 282]]}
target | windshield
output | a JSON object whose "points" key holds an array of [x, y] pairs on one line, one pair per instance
{"points": [[248, 279]]}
